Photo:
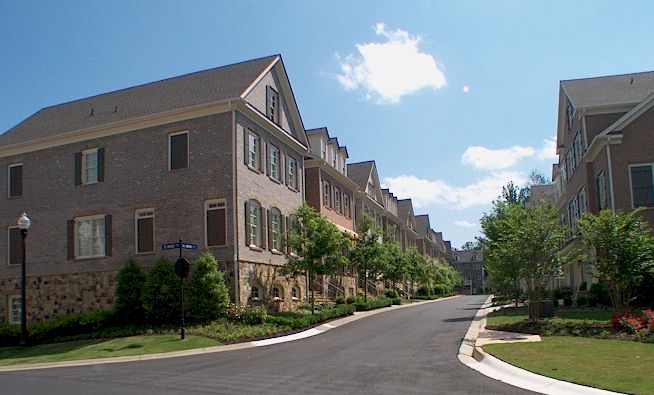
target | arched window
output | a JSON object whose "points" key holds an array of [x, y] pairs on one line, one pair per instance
{"points": [[295, 293], [254, 223], [254, 294], [277, 292], [275, 229]]}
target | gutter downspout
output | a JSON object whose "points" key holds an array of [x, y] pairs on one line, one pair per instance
{"points": [[237, 244], [610, 166]]}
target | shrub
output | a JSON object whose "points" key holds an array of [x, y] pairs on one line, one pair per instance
{"points": [[340, 300], [442, 289], [70, 325], [424, 291], [592, 301], [9, 335], [392, 293], [582, 300], [601, 294], [567, 301], [208, 295], [297, 320], [351, 299], [583, 286], [251, 315], [161, 293], [396, 300], [373, 304], [129, 285]]}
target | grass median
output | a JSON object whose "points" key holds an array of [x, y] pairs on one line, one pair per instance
{"points": [[616, 365]]}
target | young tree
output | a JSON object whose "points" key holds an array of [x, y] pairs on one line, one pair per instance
{"points": [[161, 293], [208, 295], [368, 252], [129, 285], [397, 267], [624, 250], [468, 245], [318, 247]]}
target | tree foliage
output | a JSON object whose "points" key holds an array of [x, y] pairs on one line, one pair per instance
{"points": [[208, 296], [318, 246], [368, 253], [624, 250]]}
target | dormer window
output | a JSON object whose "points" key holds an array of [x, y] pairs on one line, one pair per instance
{"points": [[272, 104], [343, 167], [334, 157], [323, 149]]}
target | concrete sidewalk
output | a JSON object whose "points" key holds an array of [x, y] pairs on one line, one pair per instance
{"points": [[472, 355], [230, 347]]}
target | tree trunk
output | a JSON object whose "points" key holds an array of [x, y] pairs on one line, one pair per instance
{"points": [[313, 295]]}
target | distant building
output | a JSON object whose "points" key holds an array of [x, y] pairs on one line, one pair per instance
{"points": [[470, 263]]}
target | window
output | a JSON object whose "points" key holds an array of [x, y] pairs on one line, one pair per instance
{"points": [[573, 212], [323, 149], [275, 229], [272, 107], [578, 147], [15, 180], [337, 200], [254, 294], [254, 150], [343, 167], [642, 185], [273, 162], [254, 224], [570, 161], [15, 246], [144, 230], [277, 292], [14, 309], [90, 166], [582, 202], [474, 257], [291, 172], [291, 222], [327, 195], [570, 112], [215, 222], [346, 205], [178, 150], [90, 237], [295, 293], [334, 157], [602, 198], [456, 258]]}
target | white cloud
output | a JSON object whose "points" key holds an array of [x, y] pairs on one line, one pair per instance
{"points": [[424, 192], [548, 151], [391, 69], [465, 224], [495, 159]]}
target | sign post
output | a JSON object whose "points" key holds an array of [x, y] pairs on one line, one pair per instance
{"points": [[182, 267]]}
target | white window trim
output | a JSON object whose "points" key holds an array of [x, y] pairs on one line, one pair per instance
{"points": [[259, 232], [188, 147], [9, 179], [9, 244], [273, 148], [10, 298], [136, 230], [272, 230], [207, 203], [257, 152], [631, 187], [76, 239], [83, 164]]}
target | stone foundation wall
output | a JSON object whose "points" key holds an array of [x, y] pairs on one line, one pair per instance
{"points": [[266, 276], [50, 296]]}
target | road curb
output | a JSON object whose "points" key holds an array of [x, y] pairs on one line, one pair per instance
{"points": [[324, 327], [475, 358]]}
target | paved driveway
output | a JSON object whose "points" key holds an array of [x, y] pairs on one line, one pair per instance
{"points": [[405, 351]]}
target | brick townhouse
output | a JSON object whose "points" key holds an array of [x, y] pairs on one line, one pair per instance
{"points": [[470, 263], [215, 158], [606, 156], [331, 193]]}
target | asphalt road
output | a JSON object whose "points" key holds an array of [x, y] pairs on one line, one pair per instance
{"points": [[406, 351]]}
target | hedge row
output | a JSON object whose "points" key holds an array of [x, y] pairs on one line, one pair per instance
{"points": [[372, 304], [429, 297], [297, 320]]}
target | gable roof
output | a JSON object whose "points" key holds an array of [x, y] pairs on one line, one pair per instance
{"points": [[405, 212], [609, 90], [422, 224], [360, 173], [202, 87]]}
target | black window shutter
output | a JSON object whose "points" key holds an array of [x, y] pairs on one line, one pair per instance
{"points": [[262, 231], [282, 231], [288, 234], [247, 224], [262, 154], [78, 168], [107, 235], [100, 164], [16, 181], [268, 100], [246, 146], [71, 239], [269, 218], [15, 247], [267, 159]]}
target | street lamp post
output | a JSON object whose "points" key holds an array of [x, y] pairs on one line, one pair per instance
{"points": [[23, 224]]}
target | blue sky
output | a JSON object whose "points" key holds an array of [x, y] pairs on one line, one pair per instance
{"points": [[452, 99]]}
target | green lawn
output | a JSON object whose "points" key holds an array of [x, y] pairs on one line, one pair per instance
{"points": [[616, 365], [564, 315], [91, 349]]}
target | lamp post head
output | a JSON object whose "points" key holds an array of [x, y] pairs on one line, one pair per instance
{"points": [[24, 222]]}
